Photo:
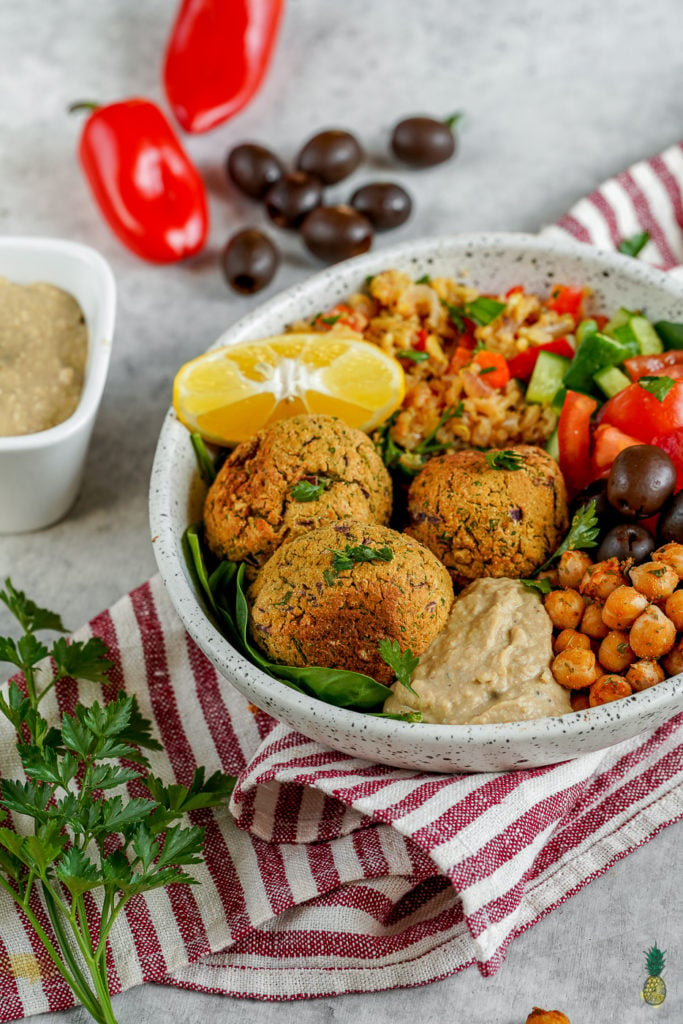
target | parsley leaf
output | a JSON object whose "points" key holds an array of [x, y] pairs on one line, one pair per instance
{"points": [[403, 663], [309, 488], [343, 560], [633, 245], [504, 460], [583, 533], [413, 355], [542, 585], [657, 386], [481, 311]]}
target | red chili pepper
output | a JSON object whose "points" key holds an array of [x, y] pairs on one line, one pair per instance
{"points": [[522, 365], [147, 189], [216, 57]]}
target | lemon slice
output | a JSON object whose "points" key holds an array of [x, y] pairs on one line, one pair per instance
{"points": [[229, 393]]}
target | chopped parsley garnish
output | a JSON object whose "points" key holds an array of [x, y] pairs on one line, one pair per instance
{"points": [[657, 386], [425, 279], [411, 353], [329, 320], [583, 533], [633, 245], [342, 560], [543, 585], [310, 488], [504, 460], [481, 311], [403, 663]]}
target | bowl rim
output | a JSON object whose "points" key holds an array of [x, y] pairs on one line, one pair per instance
{"points": [[99, 347], [264, 687]]}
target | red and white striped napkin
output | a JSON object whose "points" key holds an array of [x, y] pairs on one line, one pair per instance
{"points": [[328, 874]]}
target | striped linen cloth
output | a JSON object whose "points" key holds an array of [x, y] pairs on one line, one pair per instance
{"points": [[328, 874]]}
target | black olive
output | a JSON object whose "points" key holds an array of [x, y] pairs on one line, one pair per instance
{"points": [[249, 261], [670, 521], [627, 541], [423, 141], [642, 477], [331, 155], [292, 198], [336, 232], [385, 204], [595, 491], [253, 169]]}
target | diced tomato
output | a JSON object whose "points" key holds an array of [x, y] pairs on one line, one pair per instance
{"points": [[608, 441], [566, 299], [672, 444], [654, 366], [516, 289], [522, 365], [573, 438], [461, 357], [493, 368], [640, 414], [421, 340], [342, 314]]}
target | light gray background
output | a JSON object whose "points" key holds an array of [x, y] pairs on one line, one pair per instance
{"points": [[556, 97]]}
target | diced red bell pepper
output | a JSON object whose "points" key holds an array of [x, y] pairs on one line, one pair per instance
{"points": [[461, 357], [493, 368], [421, 340], [655, 365], [608, 441], [573, 437], [522, 365], [516, 289], [566, 299], [344, 315], [639, 413]]}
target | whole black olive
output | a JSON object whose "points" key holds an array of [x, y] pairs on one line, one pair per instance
{"points": [[249, 261], [423, 141], [627, 541], [670, 521], [253, 169], [292, 198], [642, 477], [595, 491], [385, 204], [332, 155], [336, 232]]}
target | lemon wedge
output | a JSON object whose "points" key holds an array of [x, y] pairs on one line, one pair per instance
{"points": [[229, 393]]}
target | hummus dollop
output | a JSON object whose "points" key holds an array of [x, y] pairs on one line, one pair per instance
{"points": [[491, 663]]}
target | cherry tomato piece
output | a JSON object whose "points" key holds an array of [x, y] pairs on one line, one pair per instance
{"points": [[573, 437], [639, 413]]}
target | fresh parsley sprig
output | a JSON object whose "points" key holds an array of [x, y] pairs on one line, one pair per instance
{"points": [[309, 488], [86, 836], [351, 554], [583, 533], [403, 663], [507, 459]]}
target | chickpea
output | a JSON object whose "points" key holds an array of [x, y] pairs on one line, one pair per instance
{"points": [[672, 663], [671, 554], [643, 674], [608, 688], [655, 580], [538, 1016], [571, 638], [592, 624], [673, 609], [579, 700], [551, 575], [565, 608], [574, 668], [601, 579], [572, 567], [615, 655], [652, 634], [622, 607]]}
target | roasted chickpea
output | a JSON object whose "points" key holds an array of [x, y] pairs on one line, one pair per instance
{"points": [[608, 688], [565, 608], [655, 580], [572, 567], [574, 668], [615, 654], [672, 663], [538, 1016], [592, 624], [673, 609], [652, 634], [643, 674], [571, 638], [671, 554], [622, 607], [601, 579], [579, 700]]}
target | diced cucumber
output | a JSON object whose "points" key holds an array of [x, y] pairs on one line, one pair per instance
{"points": [[611, 380], [595, 353], [558, 400], [621, 317], [626, 337], [547, 378], [552, 446], [649, 341], [670, 333], [584, 328]]}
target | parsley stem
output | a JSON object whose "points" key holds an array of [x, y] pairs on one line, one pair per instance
{"points": [[81, 988]]}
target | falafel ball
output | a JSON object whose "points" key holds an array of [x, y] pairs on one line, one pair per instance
{"points": [[315, 603], [254, 504], [489, 513]]}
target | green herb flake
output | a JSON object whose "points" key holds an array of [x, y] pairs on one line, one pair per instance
{"points": [[622, 647], [482, 311], [657, 386], [656, 572], [543, 585], [412, 354], [504, 460], [583, 533], [329, 320], [285, 600], [352, 554], [425, 279], [633, 245], [402, 663], [309, 488]]}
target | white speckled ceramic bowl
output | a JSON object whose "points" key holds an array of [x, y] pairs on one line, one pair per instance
{"points": [[40, 474], [492, 263]]}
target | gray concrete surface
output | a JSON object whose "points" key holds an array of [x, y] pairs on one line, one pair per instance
{"points": [[556, 98]]}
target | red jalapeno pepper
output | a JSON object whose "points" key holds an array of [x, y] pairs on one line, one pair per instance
{"points": [[216, 57], [147, 188]]}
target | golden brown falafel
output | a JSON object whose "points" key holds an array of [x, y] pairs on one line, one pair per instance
{"points": [[306, 610], [251, 507], [489, 513]]}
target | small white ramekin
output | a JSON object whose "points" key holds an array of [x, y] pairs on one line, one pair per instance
{"points": [[40, 474]]}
